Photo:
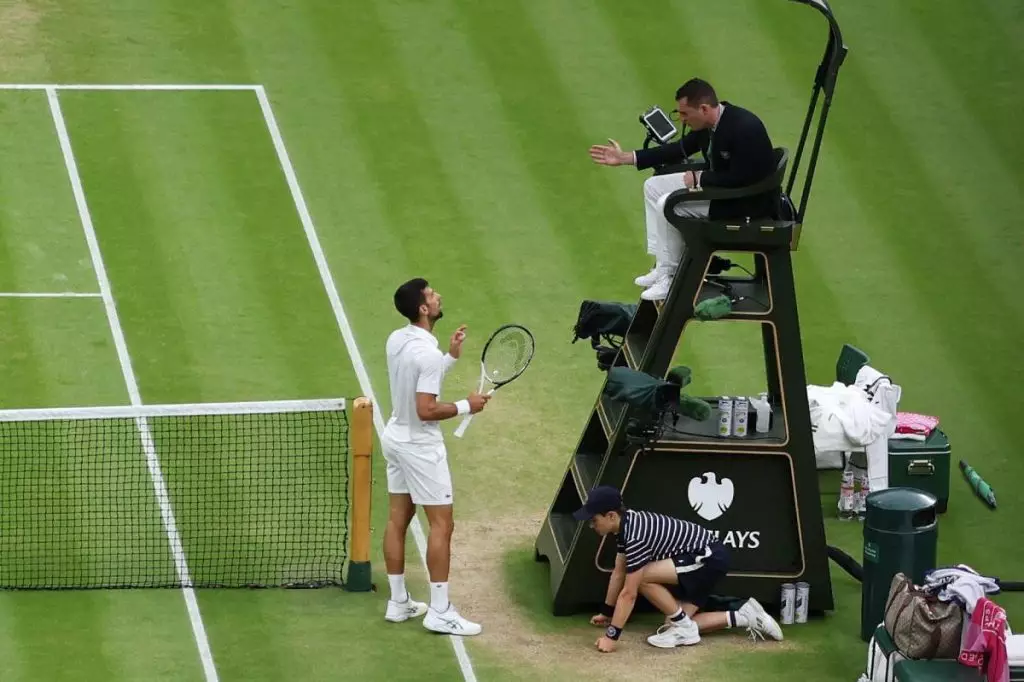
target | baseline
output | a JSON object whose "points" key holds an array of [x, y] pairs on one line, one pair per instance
{"points": [[127, 86], [51, 294]]}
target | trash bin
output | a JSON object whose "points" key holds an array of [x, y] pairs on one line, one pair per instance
{"points": [[900, 536]]}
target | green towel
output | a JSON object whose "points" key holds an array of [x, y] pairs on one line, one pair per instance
{"points": [[713, 308], [680, 375], [694, 408]]}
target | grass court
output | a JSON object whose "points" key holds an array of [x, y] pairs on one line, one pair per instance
{"points": [[449, 140]]}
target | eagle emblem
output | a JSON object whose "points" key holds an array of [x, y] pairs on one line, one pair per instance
{"points": [[708, 497]]}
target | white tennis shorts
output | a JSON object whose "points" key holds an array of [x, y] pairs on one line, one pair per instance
{"points": [[419, 470]]}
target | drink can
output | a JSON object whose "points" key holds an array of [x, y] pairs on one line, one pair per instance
{"points": [[803, 596], [741, 412], [725, 416], [788, 603]]}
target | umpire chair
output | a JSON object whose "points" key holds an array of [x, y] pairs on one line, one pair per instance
{"points": [[762, 487]]}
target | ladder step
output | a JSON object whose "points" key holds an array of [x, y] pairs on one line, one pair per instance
{"points": [[754, 295], [611, 412], [587, 466], [563, 529]]}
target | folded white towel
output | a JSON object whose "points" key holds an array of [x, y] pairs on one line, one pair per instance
{"points": [[1015, 650]]}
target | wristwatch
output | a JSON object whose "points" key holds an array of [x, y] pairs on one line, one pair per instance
{"points": [[613, 632]]}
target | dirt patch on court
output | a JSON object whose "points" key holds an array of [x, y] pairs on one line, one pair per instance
{"points": [[478, 577], [22, 51]]}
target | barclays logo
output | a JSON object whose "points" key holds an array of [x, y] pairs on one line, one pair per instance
{"points": [[709, 497]]}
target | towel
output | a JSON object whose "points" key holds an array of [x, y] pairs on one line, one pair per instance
{"points": [[984, 642], [843, 418], [1015, 649], [916, 424], [959, 583]]}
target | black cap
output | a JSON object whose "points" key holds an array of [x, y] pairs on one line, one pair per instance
{"points": [[601, 500]]}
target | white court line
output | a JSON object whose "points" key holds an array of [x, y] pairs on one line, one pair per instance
{"points": [[51, 294], [133, 391], [126, 86], [346, 332]]}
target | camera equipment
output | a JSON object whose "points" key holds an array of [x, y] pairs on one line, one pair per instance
{"points": [[651, 399]]}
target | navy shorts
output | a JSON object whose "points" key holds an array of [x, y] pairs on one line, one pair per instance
{"points": [[699, 573]]}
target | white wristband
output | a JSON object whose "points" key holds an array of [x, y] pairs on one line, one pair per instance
{"points": [[462, 406]]}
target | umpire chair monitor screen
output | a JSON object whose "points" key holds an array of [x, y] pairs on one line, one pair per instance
{"points": [[658, 124]]}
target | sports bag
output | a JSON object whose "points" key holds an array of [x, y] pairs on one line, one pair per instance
{"points": [[922, 626]]}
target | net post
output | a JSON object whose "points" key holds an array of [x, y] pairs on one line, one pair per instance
{"points": [[361, 437]]}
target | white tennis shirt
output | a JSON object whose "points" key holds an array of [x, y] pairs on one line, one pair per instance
{"points": [[415, 365]]}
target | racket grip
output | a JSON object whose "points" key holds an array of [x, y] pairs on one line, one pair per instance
{"points": [[468, 418], [463, 426]]}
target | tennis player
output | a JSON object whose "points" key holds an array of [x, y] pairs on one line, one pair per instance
{"points": [[417, 462], [655, 550]]}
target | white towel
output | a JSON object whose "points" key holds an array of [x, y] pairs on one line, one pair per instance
{"points": [[1015, 650], [959, 583]]}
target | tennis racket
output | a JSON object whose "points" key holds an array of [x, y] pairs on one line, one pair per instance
{"points": [[506, 355]]}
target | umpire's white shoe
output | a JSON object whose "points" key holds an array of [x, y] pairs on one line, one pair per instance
{"points": [[759, 622], [399, 611], [672, 635], [449, 623], [659, 290], [648, 280]]}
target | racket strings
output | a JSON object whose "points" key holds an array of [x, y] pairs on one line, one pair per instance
{"points": [[508, 354]]}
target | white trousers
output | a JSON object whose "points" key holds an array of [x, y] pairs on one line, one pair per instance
{"points": [[664, 240]]}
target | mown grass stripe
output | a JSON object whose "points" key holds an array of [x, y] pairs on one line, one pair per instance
{"points": [[476, 135], [58, 640], [37, 219], [990, 60], [974, 189], [592, 92], [421, 207]]}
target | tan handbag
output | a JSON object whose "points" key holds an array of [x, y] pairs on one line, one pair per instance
{"points": [[922, 626]]}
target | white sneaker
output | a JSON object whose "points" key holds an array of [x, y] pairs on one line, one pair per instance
{"points": [[671, 635], [450, 623], [399, 611], [658, 291], [650, 279], [759, 622]]}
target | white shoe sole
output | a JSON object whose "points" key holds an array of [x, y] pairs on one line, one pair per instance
{"points": [[663, 644], [406, 614], [443, 628]]}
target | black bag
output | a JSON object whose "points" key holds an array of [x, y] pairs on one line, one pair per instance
{"points": [[603, 318], [607, 321]]}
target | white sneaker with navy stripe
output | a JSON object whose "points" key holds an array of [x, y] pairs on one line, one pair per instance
{"points": [[449, 622], [399, 611], [759, 623]]}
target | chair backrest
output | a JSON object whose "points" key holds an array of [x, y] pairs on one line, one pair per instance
{"points": [[851, 359]]}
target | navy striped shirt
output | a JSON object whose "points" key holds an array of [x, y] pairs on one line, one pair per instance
{"points": [[645, 537]]}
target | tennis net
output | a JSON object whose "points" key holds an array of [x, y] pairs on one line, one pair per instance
{"points": [[205, 495]]}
